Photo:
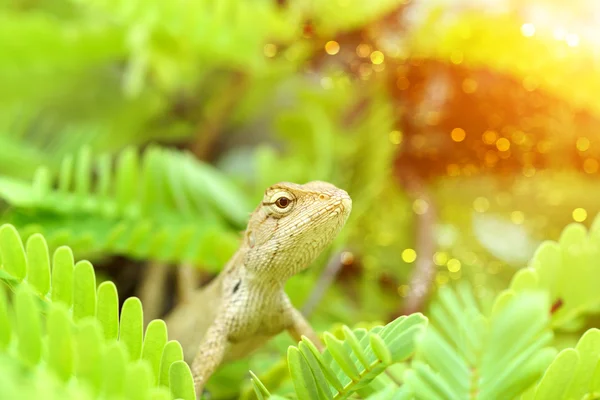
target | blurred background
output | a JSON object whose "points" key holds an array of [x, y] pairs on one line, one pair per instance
{"points": [[143, 133]]}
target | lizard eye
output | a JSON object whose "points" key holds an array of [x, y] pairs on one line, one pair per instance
{"points": [[282, 202]]}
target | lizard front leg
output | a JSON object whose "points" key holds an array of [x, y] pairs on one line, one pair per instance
{"points": [[301, 327], [210, 354]]}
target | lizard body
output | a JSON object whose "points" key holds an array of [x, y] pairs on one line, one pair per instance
{"points": [[246, 304]]}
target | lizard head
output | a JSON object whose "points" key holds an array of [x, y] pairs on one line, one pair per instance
{"points": [[292, 225]]}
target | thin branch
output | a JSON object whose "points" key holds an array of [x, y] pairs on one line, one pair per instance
{"points": [[423, 275], [187, 279], [152, 290], [334, 265]]}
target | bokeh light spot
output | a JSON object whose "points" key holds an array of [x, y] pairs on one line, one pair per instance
{"points": [[402, 83], [503, 144], [517, 217], [453, 265], [377, 57], [572, 39], [579, 214], [409, 255], [442, 278], [270, 50], [420, 206], [363, 50], [332, 47], [469, 85], [440, 258], [458, 134], [489, 137], [395, 137], [528, 30], [582, 143], [481, 204]]}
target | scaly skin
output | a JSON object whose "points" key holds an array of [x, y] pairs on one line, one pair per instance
{"points": [[246, 304]]}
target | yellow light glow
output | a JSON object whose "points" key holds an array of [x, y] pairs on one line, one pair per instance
{"points": [[420, 206], [440, 258], [579, 214], [409, 255], [517, 217], [489, 137], [332, 47], [528, 30], [503, 144], [458, 134], [442, 278], [270, 50], [363, 50], [572, 39], [377, 57], [395, 137], [481, 204], [583, 143], [453, 265], [469, 85]]}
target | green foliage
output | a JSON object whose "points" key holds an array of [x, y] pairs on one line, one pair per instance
{"points": [[70, 342], [567, 270], [163, 205], [348, 366], [574, 373], [469, 353]]}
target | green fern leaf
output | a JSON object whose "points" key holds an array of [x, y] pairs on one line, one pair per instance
{"points": [[62, 276], [13, 254], [132, 327], [574, 372], [469, 354], [171, 353], [107, 310], [85, 338], [155, 341], [350, 366], [114, 369], [84, 291], [89, 349], [5, 324], [38, 264], [181, 381], [29, 332], [60, 343], [139, 380], [164, 205]]}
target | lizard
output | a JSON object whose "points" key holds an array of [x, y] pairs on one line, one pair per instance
{"points": [[246, 305]]}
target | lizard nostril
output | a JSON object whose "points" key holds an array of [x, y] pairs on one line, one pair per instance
{"points": [[322, 197]]}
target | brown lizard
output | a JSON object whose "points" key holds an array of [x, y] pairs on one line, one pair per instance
{"points": [[246, 304]]}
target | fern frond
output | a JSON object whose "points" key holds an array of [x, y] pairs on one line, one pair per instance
{"points": [[84, 342], [467, 354], [348, 366], [163, 205], [568, 271], [574, 373]]}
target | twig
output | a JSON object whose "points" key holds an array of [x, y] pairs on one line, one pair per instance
{"points": [[424, 271], [334, 265], [187, 280], [152, 290]]}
